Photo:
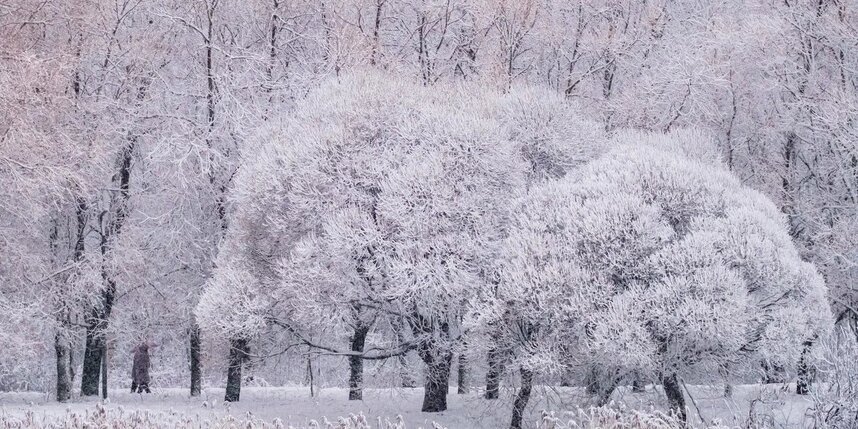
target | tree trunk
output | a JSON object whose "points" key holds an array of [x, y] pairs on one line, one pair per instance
{"points": [[104, 371], [437, 354], [196, 364], [437, 383], [494, 373], [237, 354], [356, 363], [91, 361], [522, 398], [802, 385], [675, 398], [64, 381], [463, 374]]}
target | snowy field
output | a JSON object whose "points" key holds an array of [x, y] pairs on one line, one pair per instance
{"points": [[293, 406]]}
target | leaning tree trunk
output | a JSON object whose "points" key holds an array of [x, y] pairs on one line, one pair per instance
{"points": [[196, 364], [462, 374], [494, 373], [522, 398], [356, 363], [238, 351], [675, 398], [64, 377], [802, 385]]}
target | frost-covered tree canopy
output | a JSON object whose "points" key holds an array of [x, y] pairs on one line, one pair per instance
{"points": [[383, 198], [373, 193], [651, 261]]}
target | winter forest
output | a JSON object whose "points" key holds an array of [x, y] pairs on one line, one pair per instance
{"points": [[429, 213]]}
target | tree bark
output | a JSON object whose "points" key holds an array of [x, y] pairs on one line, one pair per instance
{"points": [[462, 374], [675, 398], [522, 398], [238, 351], [494, 373], [437, 383], [437, 354], [356, 363], [64, 380], [196, 362], [804, 381], [104, 371], [92, 360]]}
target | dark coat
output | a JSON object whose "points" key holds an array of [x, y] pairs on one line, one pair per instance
{"points": [[140, 369]]}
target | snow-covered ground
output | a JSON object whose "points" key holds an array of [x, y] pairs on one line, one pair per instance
{"points": [[293, 406]]}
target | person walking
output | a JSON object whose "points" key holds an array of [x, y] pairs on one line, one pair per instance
{"points": [[140, 368]]}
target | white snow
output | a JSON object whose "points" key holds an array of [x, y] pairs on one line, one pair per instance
{"points": [[294, 406]]}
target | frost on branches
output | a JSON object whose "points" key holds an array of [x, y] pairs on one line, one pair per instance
{"points": [[651, 263], [381, 203]]}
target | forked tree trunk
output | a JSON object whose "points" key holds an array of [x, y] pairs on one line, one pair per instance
{"points": [[64, 380], [196, 363], [675, 398], [238, 351], [356, 363], [522, 398], [494, 373]]}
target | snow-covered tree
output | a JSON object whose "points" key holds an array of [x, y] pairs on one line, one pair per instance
{"points": [[654, 259], [384, 198]]}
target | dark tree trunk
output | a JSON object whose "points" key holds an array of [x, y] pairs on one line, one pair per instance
{"points": [[522, 398], [436, 353], [462, 374], [98, 319], [104, 372], [437, 383], [238, 351], [494, 373], [91, 361], [64, 381], [196, 363], [356, 363], [802, 385], [675, 398]]}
